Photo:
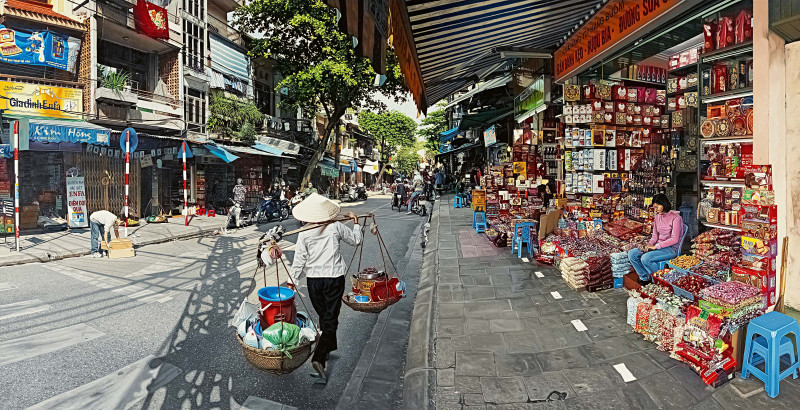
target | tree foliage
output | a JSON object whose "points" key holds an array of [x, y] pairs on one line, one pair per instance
{"points": [[430, 127], [392, 128], [233, 117], [406, 161], [320, 68]]}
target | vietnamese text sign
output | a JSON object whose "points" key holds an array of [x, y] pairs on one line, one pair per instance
{"points": [[64, 133], [478, 200], [490, 136], [44, 48], [76, 203], [41, 100], [617, 20]]}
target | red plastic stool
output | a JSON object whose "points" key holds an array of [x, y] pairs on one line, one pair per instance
{"points": [[211, 213], [200, 211]]}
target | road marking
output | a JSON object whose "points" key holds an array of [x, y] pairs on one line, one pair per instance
{"points": [[22, 348], [623, 371], [257, 403], [4, 286], [123, 287], [555, 295], [579, 326], [118, 390], [22, 308]]}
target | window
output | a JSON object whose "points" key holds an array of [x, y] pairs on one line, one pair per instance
{"points": [[194, 8], [194, 46], [131, 61], [195, 110], [263, 98]]}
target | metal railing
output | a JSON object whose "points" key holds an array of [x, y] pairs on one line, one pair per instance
{"points": [[223, 29]]}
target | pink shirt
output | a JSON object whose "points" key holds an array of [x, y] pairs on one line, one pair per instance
{"points": [[667, 229]]}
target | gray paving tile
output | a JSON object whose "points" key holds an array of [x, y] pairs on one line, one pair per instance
{"points": [[666, 391], [483, 280], [500, 390], [523, 364], [550, 309], [550, 321], [608, 349], [539, 387], [475, 363], [636, 397], [521, 303], [708, 404], [560, 337], [468, 384], [510, 292], [493, 342], [662, 358], [445, 355], [593, 380], [540, 300], [501, 279], [451, 310], [571, 315], [445, 377], [639, 363], [554, 405], [607, 399], [479, 293], [691, 381], [505, 325], [561, 359], [449, 327], [522, 342], [601, 329], [473, 399], [527, 312], [477, 327]]}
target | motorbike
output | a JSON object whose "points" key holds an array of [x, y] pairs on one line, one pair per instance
{"points": [[239, 216], [347, 193], [361, 192], [416, 206], [270, 209], [296, 199]]}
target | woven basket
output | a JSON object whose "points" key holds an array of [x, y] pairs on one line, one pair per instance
{"points": [[371, 307], [276, 362]]}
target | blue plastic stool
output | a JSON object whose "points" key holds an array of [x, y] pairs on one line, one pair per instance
{"points": [[525, 238], [760, 348], [662, 265], [457, 202], [479, 222], [773, 327]]}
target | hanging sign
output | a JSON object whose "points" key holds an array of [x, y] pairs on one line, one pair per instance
{"points": [[6, 151], [76, 203], [44, 48], [615, 22], [490, 136], [50, 133], [38, 100]]}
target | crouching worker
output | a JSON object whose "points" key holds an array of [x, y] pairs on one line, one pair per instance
{"points": [[101, 223]]}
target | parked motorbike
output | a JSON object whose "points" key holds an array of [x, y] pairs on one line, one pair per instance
{"points": [[270, 210], [239, 216], [416, 206], [361, 192], [296, 199], [347, 193]]}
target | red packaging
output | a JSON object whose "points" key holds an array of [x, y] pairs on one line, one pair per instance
{"points": [[650, 95], [683, 59], [641, 94], [724, 32], [709, 33], [720, 78], [633, 94], [673, 62], [621, 106], [629, 108], [597, 105], [588, 91], [619, 92], [608, 106], [744, 30]]}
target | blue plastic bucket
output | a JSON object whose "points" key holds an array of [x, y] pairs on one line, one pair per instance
{"points": [[277, 305], [275, 293]]}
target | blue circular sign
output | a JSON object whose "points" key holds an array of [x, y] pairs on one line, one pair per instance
{"points": [[134, 139]]}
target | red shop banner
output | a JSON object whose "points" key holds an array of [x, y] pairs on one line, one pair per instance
{"points": [[151, 20]]}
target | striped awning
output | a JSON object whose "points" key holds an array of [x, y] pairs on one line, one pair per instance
{"points": [[456, 41], [228, 58]]}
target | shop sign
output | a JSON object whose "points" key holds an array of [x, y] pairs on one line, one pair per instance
{"points": [[76, 203], [50, 133], [7, 205], [490, 136], [532, 98], [616, 21], [6, 151], [41, 100], [147, 161], [478, 200], [521, 168], [43, 48]]}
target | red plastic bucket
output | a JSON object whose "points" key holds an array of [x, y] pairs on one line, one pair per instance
{"points": [[277, 305]]}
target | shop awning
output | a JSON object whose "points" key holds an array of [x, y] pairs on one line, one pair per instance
{"points": [[460, 149], [488, 85], [57, 131], [328, 168], [448, 135], [286, 147], [483, 118], [249, 151], [221, 152], [452, 44], [270, 150]]}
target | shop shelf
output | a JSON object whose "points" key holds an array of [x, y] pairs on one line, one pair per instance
{"points": [[725, 140], [681, 71], [731, 183], [688, 90], [727, 95], [631, 80], [728, 52], [728, 227]]}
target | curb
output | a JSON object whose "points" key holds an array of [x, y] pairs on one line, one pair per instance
{"points": [[56, 256], [420, 375]]}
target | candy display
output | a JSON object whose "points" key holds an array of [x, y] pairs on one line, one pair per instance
{"points": [[685, 262]]}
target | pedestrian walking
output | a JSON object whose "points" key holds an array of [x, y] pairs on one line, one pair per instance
{"points": [[439, 178], [101, 223], [317, 254]]}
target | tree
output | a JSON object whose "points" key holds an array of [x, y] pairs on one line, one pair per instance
{"points": [[233, 117], [431, 126], [392, 129], [406, 161], [319, 66]]}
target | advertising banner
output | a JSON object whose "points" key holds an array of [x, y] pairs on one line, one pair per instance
{"points": [[41, 100], [44, 48], [151, 19], [490, 136], [51, 133], [76, 203]]}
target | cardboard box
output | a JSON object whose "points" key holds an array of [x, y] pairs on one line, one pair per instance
{"points": [[119, 248]]}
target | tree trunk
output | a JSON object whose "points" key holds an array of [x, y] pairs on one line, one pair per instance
{"points": [[323, 143], [380, 174], [337, 155]]}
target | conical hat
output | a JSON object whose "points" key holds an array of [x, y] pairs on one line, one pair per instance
{"points": [[315, 209]]}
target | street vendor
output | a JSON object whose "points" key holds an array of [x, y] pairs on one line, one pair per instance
{"points": [[317, 255], [665, 242], [101, 223]]}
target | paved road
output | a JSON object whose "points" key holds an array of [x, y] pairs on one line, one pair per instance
{"points": [[87, 333]]}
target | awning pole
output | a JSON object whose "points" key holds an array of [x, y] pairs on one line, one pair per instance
{"points": [[16, 184], [185, 197]]}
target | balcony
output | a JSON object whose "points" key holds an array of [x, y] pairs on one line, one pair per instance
{"points": [[222, 28], [117, 107], [226, 5], [124, 31]]}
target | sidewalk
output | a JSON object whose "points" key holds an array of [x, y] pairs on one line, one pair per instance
{"points": [[494, 337], [44, 247]]}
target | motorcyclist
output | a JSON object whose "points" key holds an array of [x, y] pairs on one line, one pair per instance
{"points": [[418, 185], [400, 192], [275, 193], [309, 189]]}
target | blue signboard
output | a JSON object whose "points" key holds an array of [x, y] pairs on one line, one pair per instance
{"points": [[51, 133], [490, 136], [134, 139], [6, 151], [39, 48]]}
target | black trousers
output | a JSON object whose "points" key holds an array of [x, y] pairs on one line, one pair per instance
{"points": [[326, 297]]}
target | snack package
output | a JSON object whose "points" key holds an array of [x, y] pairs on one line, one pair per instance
{"points": [[709, 36], [725, 33], [744, 29]]}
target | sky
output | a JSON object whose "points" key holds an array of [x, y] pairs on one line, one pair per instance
{"points": [[408, 108]]}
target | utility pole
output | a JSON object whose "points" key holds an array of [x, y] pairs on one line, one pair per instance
{"points": [[337, 151]]}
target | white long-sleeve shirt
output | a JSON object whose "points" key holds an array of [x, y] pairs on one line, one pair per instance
{"points": [[317, 251]]}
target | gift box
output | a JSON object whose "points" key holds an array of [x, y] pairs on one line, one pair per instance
{"points": [[725, 32], [680, 102], [709, 36], [597, 105], [656, 111], [568, 109], [683, 59], [692, 99], [672, 85], [693, 56], [677, 119], [621, 107], [743, 30], [647, 110], [633, 94], [603, 91], [683, 83], [637, 120], [733, 76], [597, 116], [742, 74], [588, 91], [673, 62], [705, 82], [629, 119], [608, 117], [572, 93], [672, 104], [610, 138], [661, 97], [647, 120], [620, 118], [619, 92], [608, 106], [720, 79], [691, 80], [665, 121], [629, 108], [650, 95]]}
